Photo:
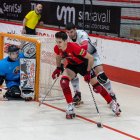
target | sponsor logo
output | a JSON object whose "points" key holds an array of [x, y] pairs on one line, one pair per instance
{"points": [[66, 13], [33, 5], [100, 20], [103, 17], [29, 50], [1, 11], [12, 8], [16, 70]]}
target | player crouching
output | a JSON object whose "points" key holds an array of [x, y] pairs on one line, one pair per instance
{"points": [[10, 73], [79, 61]]}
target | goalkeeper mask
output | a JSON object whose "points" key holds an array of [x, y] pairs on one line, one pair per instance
{"points": [[13, 52]]}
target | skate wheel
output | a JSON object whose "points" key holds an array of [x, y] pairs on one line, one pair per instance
{"points": [[118, 104], [70, 116], [74, 115], [118, 114], [82, 102], [28, 99], [78, 103]]}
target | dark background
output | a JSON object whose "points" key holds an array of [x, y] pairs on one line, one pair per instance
{"points": [[16, 10]]}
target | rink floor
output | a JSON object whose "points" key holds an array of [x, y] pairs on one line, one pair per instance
{"points": [[21, 120]]}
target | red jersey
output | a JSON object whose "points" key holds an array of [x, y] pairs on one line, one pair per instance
{"points": [[74, 54]]}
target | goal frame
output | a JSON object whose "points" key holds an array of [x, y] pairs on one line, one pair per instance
{"points": [[38, 45]]}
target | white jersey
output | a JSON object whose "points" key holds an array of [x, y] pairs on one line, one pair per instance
{"points": [[82, 36]]}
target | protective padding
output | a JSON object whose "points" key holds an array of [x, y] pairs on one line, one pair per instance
{"points": [[64, 82], [14, 91], [102, 78]]}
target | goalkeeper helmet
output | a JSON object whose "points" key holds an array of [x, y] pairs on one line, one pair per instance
{"points": [[12, 48], [13, 52]]}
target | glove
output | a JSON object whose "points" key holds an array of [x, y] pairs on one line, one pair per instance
{"points": [[87, 77], [56, 72]]}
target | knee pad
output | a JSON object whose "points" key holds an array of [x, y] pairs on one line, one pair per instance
{"points": [[92, 73], [102, 78], [64, 82], [14, 91], [97, 88], [27, 94]]}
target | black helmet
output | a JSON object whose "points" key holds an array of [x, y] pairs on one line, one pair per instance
{"points": [[13, 48]]}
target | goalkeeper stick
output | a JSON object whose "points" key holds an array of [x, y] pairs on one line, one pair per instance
{"points": [[99, 124], [47, 92]]}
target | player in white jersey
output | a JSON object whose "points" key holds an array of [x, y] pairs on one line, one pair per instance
{"points": [[82, 38]]}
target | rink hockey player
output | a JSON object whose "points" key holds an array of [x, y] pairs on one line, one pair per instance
{"points": [[82, 38], [10, 73], [79, 61]]}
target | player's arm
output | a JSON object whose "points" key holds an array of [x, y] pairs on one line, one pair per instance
{"points": [[82, 52], [28, 16], [2, 73], [90, 61], [40, 21], [2, 78], [84, 40], [84, 44], [24, 22], [58, 60]]}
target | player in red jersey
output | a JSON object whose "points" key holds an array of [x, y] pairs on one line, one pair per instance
{"points": [[79, 61]]}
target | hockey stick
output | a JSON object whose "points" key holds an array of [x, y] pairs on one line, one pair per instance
{"points": [[47, 92], [99, 124]]}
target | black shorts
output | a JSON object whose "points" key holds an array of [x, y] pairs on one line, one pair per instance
{"points": [[30, 31], [79, 68]]}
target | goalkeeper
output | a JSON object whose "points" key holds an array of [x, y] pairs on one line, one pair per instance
{"points": [[10, 73]]}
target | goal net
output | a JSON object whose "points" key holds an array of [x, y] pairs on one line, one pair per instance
{"points": [[45, 62]]}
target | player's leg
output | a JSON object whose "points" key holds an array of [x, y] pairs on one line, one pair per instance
{"points": [[103, 79], [26, 78], [101, 76], [67, 75], [13, 92], [75, 85], [27, 94], [98, 88], [77, 93]]}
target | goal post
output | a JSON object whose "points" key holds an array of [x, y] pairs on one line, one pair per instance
{"points": [[45, 62]]}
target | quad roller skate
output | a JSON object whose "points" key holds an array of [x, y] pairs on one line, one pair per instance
{"points": [[115, 108], [70, 112], [77, 99], [113, 96]]}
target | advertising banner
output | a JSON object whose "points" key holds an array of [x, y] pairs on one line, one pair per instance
{"points": [[101, 19], [14, 9]]}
